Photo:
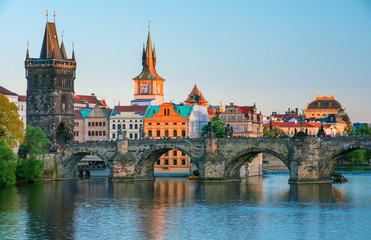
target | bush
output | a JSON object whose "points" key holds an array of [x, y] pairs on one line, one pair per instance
{"points": [[30, 170], [8, 164]]}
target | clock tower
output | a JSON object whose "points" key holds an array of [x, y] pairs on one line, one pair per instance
{"points": [[148, 85]]}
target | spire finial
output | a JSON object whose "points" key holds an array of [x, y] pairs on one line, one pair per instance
{"points": [[62, 35], [28, 44], [47, 16], [54, 16], [149, 26]]}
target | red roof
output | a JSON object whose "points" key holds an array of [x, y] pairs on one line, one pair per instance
{"points": [[246, 110], [87, 99], [22, 98], [78, 114], [293, 124], [138, 109], [6, 91]]}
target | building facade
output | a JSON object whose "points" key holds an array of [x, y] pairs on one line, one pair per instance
{"points": [[148, 85], [322, 107], [129, 119], [19, 101], [50, 88], [245, 120]]}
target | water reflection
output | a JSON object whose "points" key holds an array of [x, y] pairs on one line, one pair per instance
{"points": [[174, 209]]}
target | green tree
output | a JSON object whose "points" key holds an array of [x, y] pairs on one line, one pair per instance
{"points": [[36, 144], [8, 164], [11, 127], [275, 132], [356, 156], [349, 128], [219, 127], [364, 130]]}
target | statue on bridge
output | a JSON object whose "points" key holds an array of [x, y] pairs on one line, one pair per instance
{"points": [[228, 130], [321, 132], [121, 135], [210, 131]]}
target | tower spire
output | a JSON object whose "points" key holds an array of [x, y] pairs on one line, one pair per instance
{"points": [[154, 54], [27, 54], [73, 51], [63, 50], [144, 56]]}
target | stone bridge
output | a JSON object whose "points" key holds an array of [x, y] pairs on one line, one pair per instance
{"points": [[309, 159]]}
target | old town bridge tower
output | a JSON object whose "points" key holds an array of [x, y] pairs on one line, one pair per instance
{"points": [[50, 88]]}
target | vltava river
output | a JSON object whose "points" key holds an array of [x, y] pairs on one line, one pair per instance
{"points": [[259, 208]]}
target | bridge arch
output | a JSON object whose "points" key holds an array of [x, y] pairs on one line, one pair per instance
{"points": [[145, 166], [70, 161], [327, 166], [232, 167]]}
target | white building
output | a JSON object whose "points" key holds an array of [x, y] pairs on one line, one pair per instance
{"points": [[198, 118], [20, 102]]}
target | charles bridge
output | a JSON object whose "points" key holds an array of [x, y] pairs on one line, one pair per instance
{"points": [[309, 159]]}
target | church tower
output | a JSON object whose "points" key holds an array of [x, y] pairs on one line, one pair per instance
{"points": [[148, 85], [50, 88]]}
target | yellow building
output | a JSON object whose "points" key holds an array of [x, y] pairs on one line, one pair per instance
{"points": [[322, 107]]}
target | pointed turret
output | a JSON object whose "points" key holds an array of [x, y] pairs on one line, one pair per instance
{"points": [[148, 62], [63, 50], [154, 55], [27, 54], [73, 52], [50, 42], [196, 97]]}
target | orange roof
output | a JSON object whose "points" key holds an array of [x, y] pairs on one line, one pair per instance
{"points": [[22, 98], [293, 124], [195, 96]]}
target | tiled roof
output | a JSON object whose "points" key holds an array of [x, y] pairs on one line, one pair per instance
{"points": [[137, 109], [22, 98], [108, 111], [87, 99], [324, 104], [50, 47], [78, 114], [6, 91], [293, 124], [195, 96], [185, 111], [153, 110]]}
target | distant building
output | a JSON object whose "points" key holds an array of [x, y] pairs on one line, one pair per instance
{"points": [[88, 101], [148, 85], [245, 120], [91, 125], [289, 115], [129, 119], [322, 107], [19, 101]]}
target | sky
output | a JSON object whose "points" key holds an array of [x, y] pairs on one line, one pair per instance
{"points": [[276, 54]]}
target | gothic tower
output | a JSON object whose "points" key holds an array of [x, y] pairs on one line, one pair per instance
{"points": [[50, 88], [148, 85]]}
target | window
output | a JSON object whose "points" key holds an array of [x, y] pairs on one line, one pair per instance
{"points": [[158, 162], [100, 124], [183, 133], [150, 133], [166, 161], [149, 123], [175, 153], [118, 126], [100, 133], [135, 120], [175, 133], [158, 134], [167, 154], [92, 133], [113, 135], [175, 162], [89, 133], [104, 133], [113, 126], [131, 120], [89, 124], [123, 126], [131, 126], [175, 123], [96, 133], [183, 123], [136, 135], [158, 123], [166, 123], [166, 133], [92, 124], [183, 161], [168, 112], [135, 126], [131, 135], [164, 111]]}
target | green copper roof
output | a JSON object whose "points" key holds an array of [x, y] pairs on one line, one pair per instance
{"points": [[85, 112], [185, 111]]}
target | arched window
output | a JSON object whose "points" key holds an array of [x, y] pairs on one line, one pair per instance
{"points": [[175, 133], [166, 133], [168, 112], [63, 104], [164, 111], [158, 133], [183, 133], [150, 133]]}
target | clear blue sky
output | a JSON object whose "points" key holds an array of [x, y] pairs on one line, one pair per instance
{"points": [[274, 53]]}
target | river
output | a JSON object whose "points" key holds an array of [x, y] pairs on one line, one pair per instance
{"points": [[173, 208]]}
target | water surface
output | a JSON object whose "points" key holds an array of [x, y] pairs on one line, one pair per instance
{"points": [[259, 208]]}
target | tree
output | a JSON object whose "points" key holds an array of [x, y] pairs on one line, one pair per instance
{"points": [[364, 130], [11, 127], [219, 127], [36, 144], [349, 128], [8, 164], [275, 132], [35, 141]]}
